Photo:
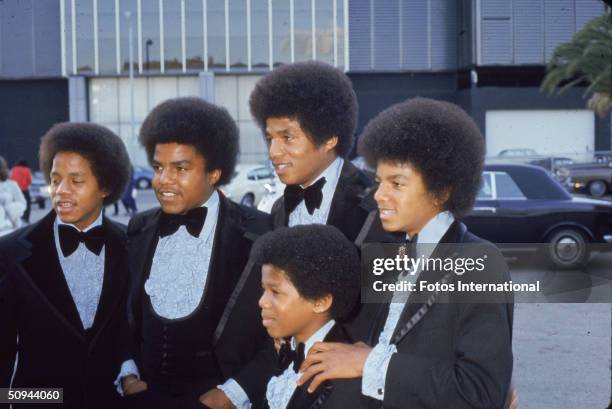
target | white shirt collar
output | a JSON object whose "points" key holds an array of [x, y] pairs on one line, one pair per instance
{"points": [[435, 228], [97, 222], [318, 336], [331, 173]]}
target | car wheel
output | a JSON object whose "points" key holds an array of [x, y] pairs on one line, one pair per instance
{"points": [[143, 183], [248, 200], [597, 188], [568, 248]]}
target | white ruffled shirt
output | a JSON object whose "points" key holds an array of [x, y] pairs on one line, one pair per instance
{"points": [[84, 273]]}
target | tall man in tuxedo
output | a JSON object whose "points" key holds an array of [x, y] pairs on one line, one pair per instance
{"points": [[63, 280], [193, 298]]}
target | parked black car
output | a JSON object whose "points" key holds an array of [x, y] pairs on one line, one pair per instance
{"points": [[523, 204]]}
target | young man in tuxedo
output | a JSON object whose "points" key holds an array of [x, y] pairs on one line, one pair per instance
{"points": [[434, 350], [193, 296], [310, 280], [63, 280], [308, 114]]}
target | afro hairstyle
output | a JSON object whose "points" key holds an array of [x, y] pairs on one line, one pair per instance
{"points": [[318, 95], [317, 259], [439, 139], [192, 121], [103, 149]]}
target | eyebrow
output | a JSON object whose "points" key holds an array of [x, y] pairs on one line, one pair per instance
{"points": [[55, 173], [175, 163]]}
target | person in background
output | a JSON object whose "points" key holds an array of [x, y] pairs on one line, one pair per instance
{"points": [[128, 198], [12, 202], [22, 174]]}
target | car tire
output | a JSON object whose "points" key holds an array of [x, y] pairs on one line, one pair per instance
{"points": [[143, 184], [40, 203], [598, 188], [568, 248], [248, 200]]}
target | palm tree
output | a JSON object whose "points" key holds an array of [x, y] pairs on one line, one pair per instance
{"points": [[587, 57]]}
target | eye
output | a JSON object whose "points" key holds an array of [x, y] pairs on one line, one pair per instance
{"points": [[397, 185], [181, 169], [156, 168]]}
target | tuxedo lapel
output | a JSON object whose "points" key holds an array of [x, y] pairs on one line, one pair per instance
{"points": [[347, 211], [141, 246], [228, 253], [42, 269], [114, 280], [301, 399], [454, 234]]}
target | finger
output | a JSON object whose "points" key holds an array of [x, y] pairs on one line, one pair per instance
{"points": [[318, 380], [309, 373], [313, 360], [322, 347]]}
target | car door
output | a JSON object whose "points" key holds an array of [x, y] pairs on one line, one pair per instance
{"points": [[483, 220], [512, 211]]}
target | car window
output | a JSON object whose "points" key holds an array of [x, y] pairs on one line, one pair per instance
{"points": [[486, 191], [506, 187]]}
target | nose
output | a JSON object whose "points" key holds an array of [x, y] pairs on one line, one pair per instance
{"points": [[63, 187], [263, 300], [275, 148], [380, 194], [166, 176]]}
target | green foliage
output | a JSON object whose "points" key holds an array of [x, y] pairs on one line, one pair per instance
{"points": [[587, 57]]}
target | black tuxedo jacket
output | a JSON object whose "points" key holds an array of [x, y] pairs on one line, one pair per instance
{"points": [[335, 394], [459, 354], [36, 306], [239, 332]]}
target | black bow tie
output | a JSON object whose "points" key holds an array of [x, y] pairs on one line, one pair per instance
{"points": [[409, 248], [286, 355], [193, 221], [312, 196], [69, 239]]}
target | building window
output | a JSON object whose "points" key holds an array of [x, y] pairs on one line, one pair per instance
{"points": [[172, 36], [194, 33], [260, 54], [150, 36], [238, 34]]}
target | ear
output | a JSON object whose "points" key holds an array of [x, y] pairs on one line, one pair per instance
{"points": [[214, 176], [331, 143], [323, 304]]}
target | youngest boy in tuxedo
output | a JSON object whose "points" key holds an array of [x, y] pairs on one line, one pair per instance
{"points": [[310, 280]]}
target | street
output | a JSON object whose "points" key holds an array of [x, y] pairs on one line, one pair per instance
{"points": [[562, 351]]}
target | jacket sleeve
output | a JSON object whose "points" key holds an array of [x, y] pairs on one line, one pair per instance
{"points": [[8, 323]]}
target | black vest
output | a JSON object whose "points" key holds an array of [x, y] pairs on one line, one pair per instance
{"points": [[177, 355]]}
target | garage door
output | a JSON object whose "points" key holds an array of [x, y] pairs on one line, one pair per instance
{"points": [[568, 132]]}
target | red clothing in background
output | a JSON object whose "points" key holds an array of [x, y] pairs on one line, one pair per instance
{"points": [[23, 176]]}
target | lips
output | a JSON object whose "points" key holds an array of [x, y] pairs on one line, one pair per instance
{"points": [[64, 206], [167, 194], [281, 167], [386, 213], [266, 320]]}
